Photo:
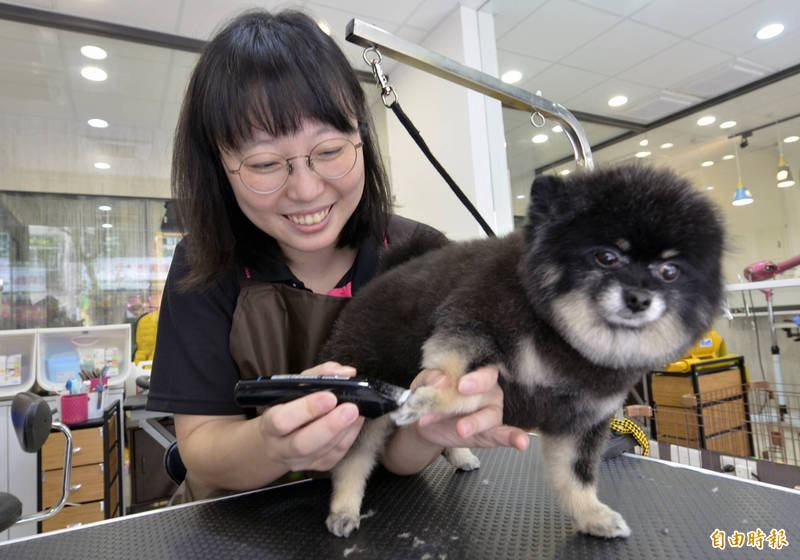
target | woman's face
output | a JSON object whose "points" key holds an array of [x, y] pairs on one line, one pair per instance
{"points": [[308, 212]]}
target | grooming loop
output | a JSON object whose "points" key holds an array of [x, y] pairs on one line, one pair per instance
{"points": [[373, 58], [537, 119]]}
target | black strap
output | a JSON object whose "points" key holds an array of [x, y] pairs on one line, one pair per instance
{"points": [[412, 130]]}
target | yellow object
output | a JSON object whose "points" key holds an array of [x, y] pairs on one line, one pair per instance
{"points": [[710, 347], [626, 426], [146, 328]]}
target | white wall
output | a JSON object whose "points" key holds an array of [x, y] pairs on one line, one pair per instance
{"points": [[462, 128]]}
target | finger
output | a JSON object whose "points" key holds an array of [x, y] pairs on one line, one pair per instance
{"points": [[319, 435], [480, 421], [433, 377], [330, 368], [478, 381], [283, 419]]}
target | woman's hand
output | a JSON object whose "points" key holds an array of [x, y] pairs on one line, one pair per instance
{"points": [[482, 428], [414, 447], [312, 432]]}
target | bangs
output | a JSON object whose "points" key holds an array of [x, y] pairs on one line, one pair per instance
{"points": [[275, 83]]}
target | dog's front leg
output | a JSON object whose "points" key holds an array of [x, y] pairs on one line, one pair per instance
{"points": [[572, 461], [349, 477]]}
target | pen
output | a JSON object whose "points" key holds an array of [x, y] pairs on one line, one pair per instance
{"points": [[99, 395]]}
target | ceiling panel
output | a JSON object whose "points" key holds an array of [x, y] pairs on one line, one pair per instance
{"points": [[687, 17], [674, 64]]}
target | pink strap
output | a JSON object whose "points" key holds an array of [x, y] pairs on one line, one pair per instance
{"points": [[345, 291]]}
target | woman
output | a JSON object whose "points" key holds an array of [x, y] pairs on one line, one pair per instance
{"points": [[285, 210]]}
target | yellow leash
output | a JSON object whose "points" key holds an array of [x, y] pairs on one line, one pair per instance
{"points": [[626, 426]]}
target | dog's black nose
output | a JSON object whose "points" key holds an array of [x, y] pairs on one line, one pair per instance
{"points": [[637, 300]]}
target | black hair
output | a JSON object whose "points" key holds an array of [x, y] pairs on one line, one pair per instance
{"points": [[270, 72]]}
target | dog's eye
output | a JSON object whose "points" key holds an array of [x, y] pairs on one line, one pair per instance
{"points": [[606, 258], [668, 272]]}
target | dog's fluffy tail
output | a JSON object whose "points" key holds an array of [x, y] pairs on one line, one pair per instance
{"points": [[418, 244]]}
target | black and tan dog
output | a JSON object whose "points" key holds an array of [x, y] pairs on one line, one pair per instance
{"points": [[617, 272]]}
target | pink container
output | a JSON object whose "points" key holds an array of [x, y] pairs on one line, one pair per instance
{"points": [[93, 383], [74, 408]]}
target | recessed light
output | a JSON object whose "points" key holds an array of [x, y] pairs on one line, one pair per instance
{"points": [[728, 124], [511, 77], [564, 172], [102, 165], [667, 145], [769, 31], [558, 129], [97, 123], [104, 208], [707, 120], [790, 139], [106, 226], [539, 138], [707, 163], [644, 142], [95, 53], [710, 188], [617, 101], [726, 157], [322, 24], [520, 196], [93, 73], [642, 154]]}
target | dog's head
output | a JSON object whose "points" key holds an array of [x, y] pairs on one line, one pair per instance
{"points": [[625, 263]]}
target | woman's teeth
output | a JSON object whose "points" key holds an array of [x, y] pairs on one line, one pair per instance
{"points": [[309, 219]]}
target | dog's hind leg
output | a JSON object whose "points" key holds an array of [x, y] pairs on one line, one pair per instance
{"points": [[572, 461], [349, 477]]}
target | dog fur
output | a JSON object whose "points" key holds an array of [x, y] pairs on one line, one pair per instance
{"points": [[616, 272]]}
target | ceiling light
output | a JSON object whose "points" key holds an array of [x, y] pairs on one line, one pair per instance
{"points": [[710, 188], [322, 24], [707, 163], [520, 196], [564, 172], [102, 165], [784, 175], [617, 101], [558, 129], [790, 139], [104, 208], [539, 138], [95, 53], [666, 145], [726, 157], [728, 124], [511, 77], [742, 196], [106, 226], [94, 73], [97, 123], [770, 31], [707, 120], [642, 154], [644, 142]]}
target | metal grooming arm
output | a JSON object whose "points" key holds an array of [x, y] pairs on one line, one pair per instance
{"points": [[366, 35]]}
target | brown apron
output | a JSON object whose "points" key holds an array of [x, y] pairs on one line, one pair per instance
{"points": [[276, 329]]}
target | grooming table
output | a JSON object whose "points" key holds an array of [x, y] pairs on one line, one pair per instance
{"points": [[503, 510]]}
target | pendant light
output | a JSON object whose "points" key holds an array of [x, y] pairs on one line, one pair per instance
{"points": [[742, 196], [784, 175]]}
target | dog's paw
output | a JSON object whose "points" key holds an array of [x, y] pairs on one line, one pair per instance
{"points": [[603, 522], [342, 524], [421, 402], [462, 458]]}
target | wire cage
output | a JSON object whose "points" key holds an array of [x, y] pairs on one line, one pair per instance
{"points": [[751, 430]]}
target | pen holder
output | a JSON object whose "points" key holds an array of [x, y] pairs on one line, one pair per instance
{"points": [[93, 383], [95, 405], [74, 409]]}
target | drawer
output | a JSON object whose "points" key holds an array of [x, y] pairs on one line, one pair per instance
{"points": [[87, 448], [72, 516], [88, 478]]}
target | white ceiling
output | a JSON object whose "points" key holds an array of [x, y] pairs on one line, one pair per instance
{"points": [[664, 55]]}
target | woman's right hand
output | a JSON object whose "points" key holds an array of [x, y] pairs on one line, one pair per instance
{"points": [[312, 432]]}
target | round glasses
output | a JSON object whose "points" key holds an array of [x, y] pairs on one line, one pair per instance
{"points": [[266, 173]]}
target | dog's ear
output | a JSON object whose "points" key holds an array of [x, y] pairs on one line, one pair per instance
{"points": [[548, 198]]}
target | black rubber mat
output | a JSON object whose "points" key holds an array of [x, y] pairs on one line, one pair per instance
{"points": [[503, 510]]}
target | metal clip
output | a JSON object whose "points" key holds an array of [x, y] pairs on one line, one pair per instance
{"points": [[537, 123], [387, 91]]}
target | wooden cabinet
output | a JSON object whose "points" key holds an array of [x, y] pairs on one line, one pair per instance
{"points": [[95, 476], [704, 408]]}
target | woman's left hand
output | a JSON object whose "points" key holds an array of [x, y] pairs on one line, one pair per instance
{"points": [[482, 428]]}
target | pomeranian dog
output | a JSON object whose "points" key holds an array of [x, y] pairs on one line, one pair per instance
{"points": [[616, 272]]}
